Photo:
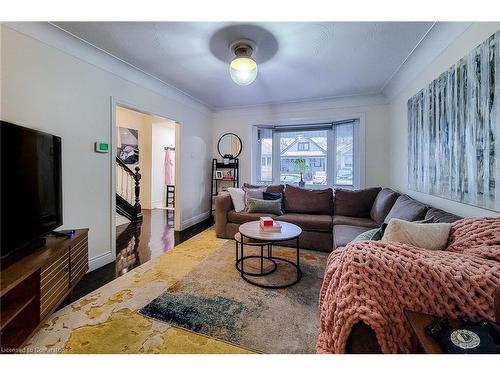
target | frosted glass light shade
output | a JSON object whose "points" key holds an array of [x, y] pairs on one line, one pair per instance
{"points": [[243, 70]]}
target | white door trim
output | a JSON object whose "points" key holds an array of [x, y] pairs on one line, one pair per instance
{"points": [[118, 102]]}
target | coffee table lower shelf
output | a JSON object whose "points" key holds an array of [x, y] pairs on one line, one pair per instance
{"points": [[266, 256]]}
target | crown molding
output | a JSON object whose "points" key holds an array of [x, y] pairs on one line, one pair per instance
{"points": [[434, 42], [319, 104], [70, 44]]}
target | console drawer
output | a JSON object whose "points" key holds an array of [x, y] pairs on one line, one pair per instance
{"points": [[54, 283], [79, 260]]}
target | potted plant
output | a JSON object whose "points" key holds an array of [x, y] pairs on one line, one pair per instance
{"points": [[301, 167]]}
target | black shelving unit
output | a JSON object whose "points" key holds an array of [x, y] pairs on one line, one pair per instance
{"points": [[170, 199], [218, 165]]}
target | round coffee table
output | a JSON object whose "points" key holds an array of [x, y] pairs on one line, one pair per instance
{"points": [[251, 234], [263, 259]]}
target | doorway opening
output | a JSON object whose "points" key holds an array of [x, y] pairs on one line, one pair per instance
{"points": [[145, 181]]}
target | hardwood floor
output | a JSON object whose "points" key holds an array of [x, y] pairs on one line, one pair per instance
{"points": [[136, 243]]}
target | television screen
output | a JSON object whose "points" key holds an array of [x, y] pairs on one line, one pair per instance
{"points": [[31, 187]]}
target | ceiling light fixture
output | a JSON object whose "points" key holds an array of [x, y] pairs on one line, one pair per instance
{"points": [[243, 68]]}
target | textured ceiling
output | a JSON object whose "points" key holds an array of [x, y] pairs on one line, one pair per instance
{"points": [[304, 60]]}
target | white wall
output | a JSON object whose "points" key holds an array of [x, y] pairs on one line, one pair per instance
{"points": [[372, 110], [398, 160], [163, 135], [66, 94]]}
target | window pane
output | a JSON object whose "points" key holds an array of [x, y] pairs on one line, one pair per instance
{"points": [[344, 154], [303, 152], [265, 150]]}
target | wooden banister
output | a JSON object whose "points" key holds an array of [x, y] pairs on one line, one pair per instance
{"points": [[137, 179], [128, 206], [125, 166]]}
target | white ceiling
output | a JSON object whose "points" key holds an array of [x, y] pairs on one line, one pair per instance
{"points": [[304, 60]]}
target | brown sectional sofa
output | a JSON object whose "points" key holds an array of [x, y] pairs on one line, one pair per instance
{"points": [[309, 209], [330, 219]]}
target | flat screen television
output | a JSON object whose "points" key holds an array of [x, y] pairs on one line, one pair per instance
{"points": [[31, 186]]}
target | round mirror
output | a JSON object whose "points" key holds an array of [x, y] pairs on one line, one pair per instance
{"points": [[229, 146]]}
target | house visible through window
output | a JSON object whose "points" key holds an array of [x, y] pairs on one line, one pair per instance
{"points": [[317, 162], [266, 161], [324, 154], [265, 151], [303, 146]]}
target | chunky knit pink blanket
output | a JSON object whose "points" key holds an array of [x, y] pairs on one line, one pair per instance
{"points": [[375, 282]]}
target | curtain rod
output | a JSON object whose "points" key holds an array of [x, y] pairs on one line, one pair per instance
{"points": [[310, 125]]}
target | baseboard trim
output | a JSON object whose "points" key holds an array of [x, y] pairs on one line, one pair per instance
{"points": [[100, 260], [157, 204], [195, 220]]}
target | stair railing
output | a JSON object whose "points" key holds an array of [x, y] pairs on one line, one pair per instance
{"points": [[128, 191]]}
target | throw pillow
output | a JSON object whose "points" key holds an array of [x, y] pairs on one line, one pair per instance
{"points": [[251, 186], [383, 227], [426, 236], [257, 193], [369, 235], [269, 188], [238, 198], [272, 196], [265, 207]]}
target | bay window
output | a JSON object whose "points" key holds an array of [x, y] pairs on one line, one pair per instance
{"points": [[320, 154]]}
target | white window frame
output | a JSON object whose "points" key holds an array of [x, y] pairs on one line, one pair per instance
{"points": [[358, 150]]}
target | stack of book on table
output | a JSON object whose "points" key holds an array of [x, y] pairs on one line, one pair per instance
{"points": [[267, 224]]}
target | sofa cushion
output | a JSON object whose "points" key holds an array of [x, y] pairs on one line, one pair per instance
{"points": [[407, 208], [383, 203], [356, 221], [312, 239], [245, 217], [261, 205], [343, 234], [320, 223], [269, 188], [307, 201], [440, 216], [357, 203]]}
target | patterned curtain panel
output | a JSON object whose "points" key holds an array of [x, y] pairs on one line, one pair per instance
{"points": [[454, 131]]}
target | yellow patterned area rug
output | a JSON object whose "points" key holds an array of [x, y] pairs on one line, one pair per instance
{"points": [[107, 321], [213, 300]]}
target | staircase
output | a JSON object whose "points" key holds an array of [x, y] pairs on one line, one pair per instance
{"points": [[127, 191]]}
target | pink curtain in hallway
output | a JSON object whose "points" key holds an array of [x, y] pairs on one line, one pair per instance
{"points": [[170, 167]]}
